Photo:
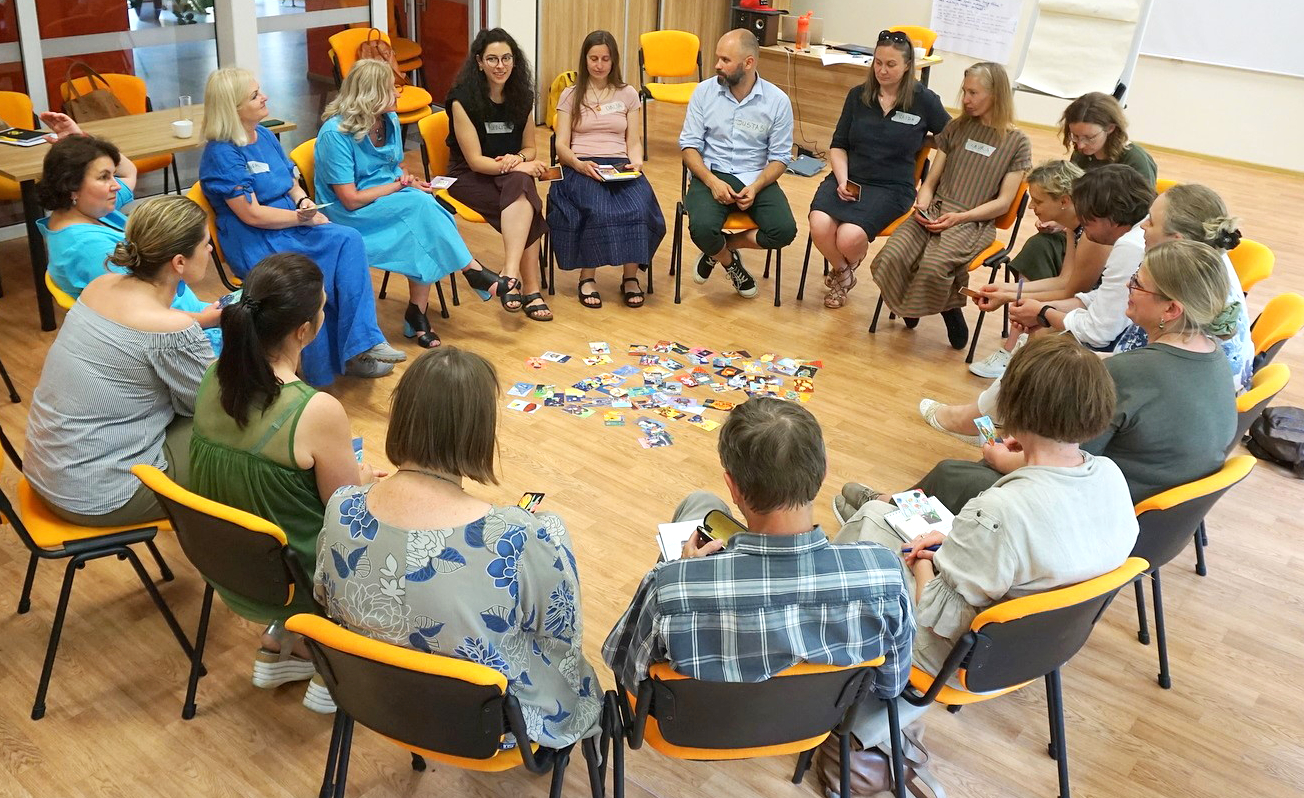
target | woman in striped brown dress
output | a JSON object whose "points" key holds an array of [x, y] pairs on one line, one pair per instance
{"points": [[974, 178]]}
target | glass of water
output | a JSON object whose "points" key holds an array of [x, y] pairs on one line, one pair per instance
{"points": [[185, 107]]}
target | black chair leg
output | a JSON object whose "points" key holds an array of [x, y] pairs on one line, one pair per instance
{"points": [[332, 756], [558, 773], [1053, 710], [768, 255], [898, 750], [844, 762], [778, 275], [176, 176], [1201, 540], [25, 600], [973, 342], [56, 630], [197, 661], [677, 251], [171, 619], [803, 765], [384, 285], [805, 263], [1061, 744], [617, 729], [873, 323], [346, 748], [593, 759], [9, 384], [1161, 640], [1142, 627], [452, 283], [419, 763], [443, 306], [164, 571]]}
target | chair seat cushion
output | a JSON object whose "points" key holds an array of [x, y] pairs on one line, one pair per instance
{"points": [[153, 163], [737, 222], [991, 250], [460, 210], [51, 532], [413, 98], [678, 93], [404, 49]]}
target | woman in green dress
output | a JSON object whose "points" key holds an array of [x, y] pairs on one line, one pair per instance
{"points": [[267, 443]]}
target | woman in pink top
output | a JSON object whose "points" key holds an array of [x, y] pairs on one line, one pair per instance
{"points": [[594, 220]]}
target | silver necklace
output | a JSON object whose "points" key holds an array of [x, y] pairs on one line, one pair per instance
{"points": [[457, 485]]}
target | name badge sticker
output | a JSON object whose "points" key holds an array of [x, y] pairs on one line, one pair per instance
{"points": [[493, 128], [613, 107], [985, 150], [258, 167], [905, 118], [751, 125]]}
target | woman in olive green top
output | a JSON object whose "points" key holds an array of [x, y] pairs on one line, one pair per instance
{"points": [[266, 443], [1094, 130]]}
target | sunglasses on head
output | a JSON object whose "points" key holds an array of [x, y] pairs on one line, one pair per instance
{"points": [[893, 36]]}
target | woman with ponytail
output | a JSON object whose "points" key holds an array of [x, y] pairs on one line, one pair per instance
{"points": [[1193, 212], [267, 443], [118, 386]]}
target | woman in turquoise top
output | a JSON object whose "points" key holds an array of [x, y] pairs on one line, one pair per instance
{"points": [[85, 182], [360, 175], [261, 210]]}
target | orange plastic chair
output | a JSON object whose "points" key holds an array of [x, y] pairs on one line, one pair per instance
{"points": [[925, 36], [132, 92], [413, 101], [1162, 184], [1281, 318], [16, 111], [231, 281], [1267, 383], [1253, 263], [667, 54], [304, 157]]}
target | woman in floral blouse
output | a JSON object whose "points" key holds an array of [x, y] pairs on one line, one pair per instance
{"points": [[416, 561]]}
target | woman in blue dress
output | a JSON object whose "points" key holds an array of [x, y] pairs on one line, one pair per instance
{"points": [[85, 182], [261, 209], [360, 175]]}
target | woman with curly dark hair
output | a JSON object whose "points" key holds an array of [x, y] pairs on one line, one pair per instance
{"points": [[492, 155]]}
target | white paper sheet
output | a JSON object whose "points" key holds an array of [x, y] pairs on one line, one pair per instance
{"points": [[1074, 50], [977, 28]]}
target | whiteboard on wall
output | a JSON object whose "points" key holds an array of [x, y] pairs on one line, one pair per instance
{"points": [[1262, 35]]}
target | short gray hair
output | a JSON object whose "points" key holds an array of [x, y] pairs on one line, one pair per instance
{"points": [[774, 451]]}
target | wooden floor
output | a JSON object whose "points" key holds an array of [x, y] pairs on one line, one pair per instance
{"points": [[1232, 724]]}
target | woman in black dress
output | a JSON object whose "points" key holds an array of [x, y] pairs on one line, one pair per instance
{"points": [[883, 125]]}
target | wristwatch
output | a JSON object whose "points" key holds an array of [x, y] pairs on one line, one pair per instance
{"points": [[1041, 315]]}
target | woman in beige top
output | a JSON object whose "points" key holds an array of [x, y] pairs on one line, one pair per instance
{"points": [[973, 180], [1014, 539]]}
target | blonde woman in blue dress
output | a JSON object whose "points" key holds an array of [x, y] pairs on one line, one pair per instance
{"points": [[360, 178]]}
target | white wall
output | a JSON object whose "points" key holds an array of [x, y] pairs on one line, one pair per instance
{"points": [[1229, 113], [520, 18]]}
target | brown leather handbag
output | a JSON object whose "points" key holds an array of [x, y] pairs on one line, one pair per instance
{"points": [[871, 769], [98, 103], [378, 49]]}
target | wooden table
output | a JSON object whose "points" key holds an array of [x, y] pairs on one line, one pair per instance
{"points": [[138, 136], [818, 91]]}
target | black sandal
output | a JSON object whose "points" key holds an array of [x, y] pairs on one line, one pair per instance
{"points": [[594, 295], [416, 325], [630, 296], [486, 283], [535, 312], [513, 294]]}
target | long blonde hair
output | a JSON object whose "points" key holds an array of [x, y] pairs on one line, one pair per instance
{"points": [[223, 94], [996, 81], [366, 92]]}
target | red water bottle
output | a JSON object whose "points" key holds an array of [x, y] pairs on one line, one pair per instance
{"points": [[803, 31]]}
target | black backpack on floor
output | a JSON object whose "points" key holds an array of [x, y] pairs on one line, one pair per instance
{"points": [[1278, 436]]}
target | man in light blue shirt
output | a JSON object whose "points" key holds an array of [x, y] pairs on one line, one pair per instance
{"points": [[736, 141]]}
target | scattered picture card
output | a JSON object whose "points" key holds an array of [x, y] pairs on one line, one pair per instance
{"points": [[521, 389], [638, 349], [535, 362], [597, 360], [522, 406], [704, 423], [613, 419], [555, 357], [599, 348], [578, 412]]}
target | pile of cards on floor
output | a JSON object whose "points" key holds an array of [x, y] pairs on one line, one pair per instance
{"points": [[656, 382]]}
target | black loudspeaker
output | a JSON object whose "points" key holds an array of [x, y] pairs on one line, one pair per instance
{"points": [[762, 22]]}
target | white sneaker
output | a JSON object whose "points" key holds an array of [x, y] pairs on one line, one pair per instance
{"points": [[928, 409], [318, 698], [385, 353], [271, 671], [992, 366]]}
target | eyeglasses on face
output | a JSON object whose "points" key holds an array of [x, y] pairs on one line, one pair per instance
{"points": [[1134, 284], [1087, 139], [495, 60], [893, 36]]}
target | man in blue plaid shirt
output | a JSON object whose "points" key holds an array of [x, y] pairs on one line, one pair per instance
{"points": [[779, 593]]}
